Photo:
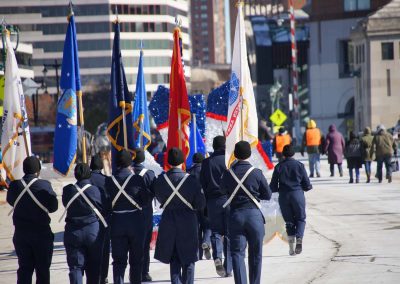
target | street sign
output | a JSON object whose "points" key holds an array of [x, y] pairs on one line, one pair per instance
{"points": [[278, 117]]}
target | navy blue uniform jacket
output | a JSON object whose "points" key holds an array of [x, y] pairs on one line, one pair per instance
{"points": [[99, 180], [255, 183], [27, 215], [135, 188], [195, 171], [178, 226], [148, 179], [211, 172], [80, 213], [290, 175]]}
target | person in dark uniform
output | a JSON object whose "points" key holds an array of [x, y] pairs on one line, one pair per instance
{"points": [[148, 177], [128, 194], [98, 179], [204, 226], [33, 238], [212, 169], [290, 180], [245, 186], [180, 196], [83, 242]]}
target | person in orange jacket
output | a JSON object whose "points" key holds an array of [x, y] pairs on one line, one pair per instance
{"points": [[281, 140], [313, 139]]}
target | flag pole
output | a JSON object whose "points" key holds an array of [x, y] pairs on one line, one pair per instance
{"points": [[178, 23], [141, 141], [195, 131], [239, 6]]}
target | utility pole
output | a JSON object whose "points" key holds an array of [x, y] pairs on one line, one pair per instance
{"points": [[56, 66]]}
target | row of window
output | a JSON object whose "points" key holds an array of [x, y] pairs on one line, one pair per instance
{"points": [[148, 27], [23, 59], [58, 11], [147, 10], [356, 5]]}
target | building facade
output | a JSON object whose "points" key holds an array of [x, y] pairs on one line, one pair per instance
{"points": [[150, 22], [23, 54], [331, 84], [375, 45]]}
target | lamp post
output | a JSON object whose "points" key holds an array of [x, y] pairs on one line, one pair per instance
{"points": [[56, 66]]}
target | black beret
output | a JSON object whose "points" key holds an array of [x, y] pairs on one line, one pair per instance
{"points": [[31, 165], [175, 157], [124, 159], [219, 143], [288, 151], [82, 171], [242, 150], [96, 163], [198, 158], [140, 156]]}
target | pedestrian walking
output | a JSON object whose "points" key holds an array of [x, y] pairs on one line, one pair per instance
{"points": [[353, 155], [128, 231], [84, 206], [204, 226], [366, 151], [384, 147], [334, 146], [281, 140], [181, 196], [148, 178], [98, 179], [291, 181], [212, 169], [32, 200], [245, 186], [313, 141]]}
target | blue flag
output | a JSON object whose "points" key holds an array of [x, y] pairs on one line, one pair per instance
{"points": [[65, 134], [141, 123], [120, 99], [196, 143]]}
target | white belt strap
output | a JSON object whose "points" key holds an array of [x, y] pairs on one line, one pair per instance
{"points": [[25, 190], [175, 191], [143, 172], [81, 193], [122, 191], [240, 185]]}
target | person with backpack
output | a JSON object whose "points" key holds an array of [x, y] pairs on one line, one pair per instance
{"points": [[354, 157]]}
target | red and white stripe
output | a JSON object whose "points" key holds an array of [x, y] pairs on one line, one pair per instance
{"points": [[294, 56]]}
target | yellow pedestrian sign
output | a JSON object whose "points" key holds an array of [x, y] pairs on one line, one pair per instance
{"points": [[278, 117]]}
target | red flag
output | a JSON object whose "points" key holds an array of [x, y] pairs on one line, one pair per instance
{"points": [[179, 108]]}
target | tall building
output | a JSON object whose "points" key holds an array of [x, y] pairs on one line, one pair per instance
{"points": [[332, 88], [150, 22], [376, 57]]}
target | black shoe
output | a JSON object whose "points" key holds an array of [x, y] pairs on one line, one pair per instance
{"points": [[219, 267], [389, 179], [332, 175], [318, 175], [147, 278], [299, 246], [311, 176], [206, 250], [351, 180], [380, 180], [228, 274]]}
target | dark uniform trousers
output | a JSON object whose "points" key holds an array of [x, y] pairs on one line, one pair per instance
{"points": [[148, 230], [84, 248], [293, 207], [105, 260], [204, 231], [246, 225], [181, 273], [34, 251]]}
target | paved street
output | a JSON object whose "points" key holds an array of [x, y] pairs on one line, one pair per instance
{"points": [[352, 236]]}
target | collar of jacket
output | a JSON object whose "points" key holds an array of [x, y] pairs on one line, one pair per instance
{"points": [[83, 182], [218, 153], [176, 170], [123, 171]]}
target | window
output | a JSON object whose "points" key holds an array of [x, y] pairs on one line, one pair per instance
{"points": [[356, 5], [346, 56], [387, 51]]}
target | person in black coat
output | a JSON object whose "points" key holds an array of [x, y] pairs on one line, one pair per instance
{"points": [[353, 154], [204, 226], [83, 240], [127, 219], [212, 169], [148, 177], [33, 238], [290, 180], [98, 179], [246, 219], [177, 241]]}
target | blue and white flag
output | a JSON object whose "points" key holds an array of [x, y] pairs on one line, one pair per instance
{"points": [[196, 143], [65, 134], [141, 123]]}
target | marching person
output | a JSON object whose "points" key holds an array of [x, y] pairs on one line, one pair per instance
{"points": [[290, 180], [313, 139], [33, 199], [366, 148], [83, 241], [211, 172], [334, 146], [281, 140], [245, 186], [354, 156], [98, 179], [148, 178], [204, 227], [128, 194], [384, 147], [181, 196]]}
